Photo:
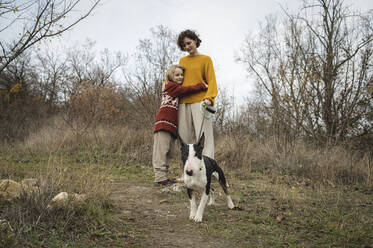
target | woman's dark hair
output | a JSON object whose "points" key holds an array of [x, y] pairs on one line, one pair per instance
{"points": [[187, 34]]}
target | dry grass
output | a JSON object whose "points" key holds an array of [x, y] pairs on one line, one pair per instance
{"points": [[329, 165], [63, 159], [58, 137], [26, 219], [85, 162]]}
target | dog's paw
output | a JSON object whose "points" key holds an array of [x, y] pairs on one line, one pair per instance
{"points": [[198, 218], [192, 215], [230, 202], [231, 205]]}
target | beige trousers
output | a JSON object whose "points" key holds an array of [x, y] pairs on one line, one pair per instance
{"points": [[190, 121], [162, 153]]}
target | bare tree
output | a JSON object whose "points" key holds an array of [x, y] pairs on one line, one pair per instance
{"points": [[152, 58], [58, 72], [20, 108], [85, 65], [50, 75], [47, 82], [30, 21], [91, 87], [316, 67]]}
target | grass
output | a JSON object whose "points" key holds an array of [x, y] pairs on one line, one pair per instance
{"points": [[286, 212], [281, 204], [27, 222]]}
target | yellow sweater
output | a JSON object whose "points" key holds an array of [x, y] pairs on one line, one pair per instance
{"points": [[199, 68]]}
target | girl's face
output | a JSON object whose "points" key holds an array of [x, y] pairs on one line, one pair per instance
{"points": [[178, 76], [190, 46]]}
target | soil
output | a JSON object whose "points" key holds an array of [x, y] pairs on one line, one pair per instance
{"points": [[269, 214], [162, 216]]}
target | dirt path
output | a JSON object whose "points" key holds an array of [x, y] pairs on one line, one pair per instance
{"points": [[270, 214], [161, 218]]}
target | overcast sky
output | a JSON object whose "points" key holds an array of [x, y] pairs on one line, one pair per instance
{"points": [[119, 24]]}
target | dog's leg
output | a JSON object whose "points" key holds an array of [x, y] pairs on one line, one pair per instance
{"points": [[193, 203], [212, 197], [201, 207], [216, 175], [202, 203], [230, 202], [224, 184]]}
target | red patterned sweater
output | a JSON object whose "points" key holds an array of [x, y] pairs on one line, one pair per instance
{"points": [[166, 118]]}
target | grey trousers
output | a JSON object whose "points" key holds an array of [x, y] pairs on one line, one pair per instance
{"points": [[162, 152], [190, 121]]}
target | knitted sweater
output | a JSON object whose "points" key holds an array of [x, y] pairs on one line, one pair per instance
{"points": [[166, 118], [199, 68]]}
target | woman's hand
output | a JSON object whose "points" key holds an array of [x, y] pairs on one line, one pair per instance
{"points": [[207, 101]]}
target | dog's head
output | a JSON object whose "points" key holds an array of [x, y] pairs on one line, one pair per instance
{"points": [[191, 155]]}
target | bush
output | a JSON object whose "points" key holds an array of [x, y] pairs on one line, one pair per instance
{"points": [[329, 165], [92, 105]]}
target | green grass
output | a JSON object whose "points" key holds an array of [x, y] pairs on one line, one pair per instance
{"points": [[312, 215]]}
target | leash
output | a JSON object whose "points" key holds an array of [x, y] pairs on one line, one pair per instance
{"points": [[211, 111]]}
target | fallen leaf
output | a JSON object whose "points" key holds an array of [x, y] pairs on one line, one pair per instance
{"points": [[280, 218], [94, 236], [163, 201]]}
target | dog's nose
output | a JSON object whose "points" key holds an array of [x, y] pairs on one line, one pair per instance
{"points": [[189, 172]]}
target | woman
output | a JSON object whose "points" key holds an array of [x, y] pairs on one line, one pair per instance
{"points": [[198, 68]]}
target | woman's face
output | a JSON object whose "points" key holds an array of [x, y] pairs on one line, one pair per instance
{"points": [[190, 46], [178, 76]]}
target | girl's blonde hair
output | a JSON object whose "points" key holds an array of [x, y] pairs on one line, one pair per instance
{"points": [[170, 72]]}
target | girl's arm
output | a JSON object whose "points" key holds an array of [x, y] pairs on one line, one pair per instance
{"points": [[177, 90]]}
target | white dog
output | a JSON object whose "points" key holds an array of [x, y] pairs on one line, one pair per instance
{"points": [[197, 173]]}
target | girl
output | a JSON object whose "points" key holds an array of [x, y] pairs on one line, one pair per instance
{"points": [[198, 68], [166, 121]]}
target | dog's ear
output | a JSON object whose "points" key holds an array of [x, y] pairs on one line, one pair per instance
{"points": [[201, 141], [181, 141]]}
